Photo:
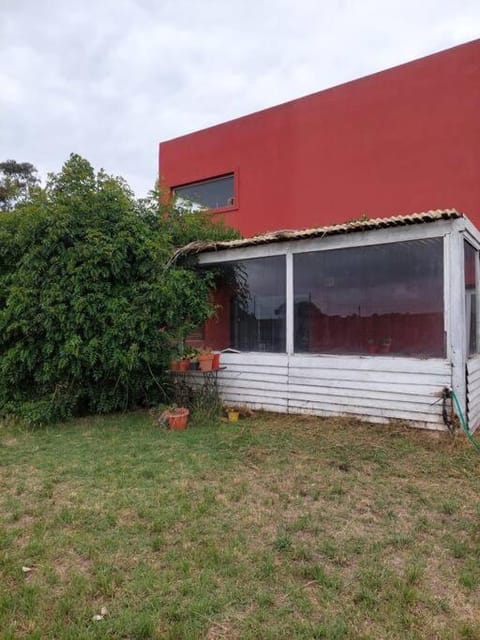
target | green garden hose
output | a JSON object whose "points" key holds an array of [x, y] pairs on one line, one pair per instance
{"points": [[463, 422]]}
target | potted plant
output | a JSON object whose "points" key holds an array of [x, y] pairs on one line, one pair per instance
{"points": [[184, 364], [174, 362], [180, 352], [191, 354], [232, 414], [205, 359], [177, 418]]}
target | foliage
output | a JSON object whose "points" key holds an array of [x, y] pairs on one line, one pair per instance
{"points": [[186, 223], [17, 180], [89, 310]]}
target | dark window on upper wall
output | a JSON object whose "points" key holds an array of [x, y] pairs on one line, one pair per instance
{"points": [[471, 257], [214, 193], [250, 299], [371, 300]]}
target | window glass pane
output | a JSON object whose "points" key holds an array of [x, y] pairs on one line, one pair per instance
{"points": [[250, 299], [374, 299], [470, 299], [208, 194]]}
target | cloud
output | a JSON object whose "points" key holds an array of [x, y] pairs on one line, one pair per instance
{"points": [[111, 79]]}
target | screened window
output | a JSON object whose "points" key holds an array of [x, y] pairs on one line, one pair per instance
{"points": [[470, 298], [250, 299], [371, 300], [208, 194]]}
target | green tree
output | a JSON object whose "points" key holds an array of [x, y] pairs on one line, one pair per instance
{"points": [[17, 181], [90, 305]]}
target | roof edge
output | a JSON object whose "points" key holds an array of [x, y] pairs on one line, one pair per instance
{"points": [[200, 246]]}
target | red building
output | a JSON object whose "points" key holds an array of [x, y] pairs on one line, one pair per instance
{"points": [[403, 140]]}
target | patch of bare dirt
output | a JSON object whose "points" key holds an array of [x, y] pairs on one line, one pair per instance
{"points": [[222, 631], [9, 442], [71, 563]]}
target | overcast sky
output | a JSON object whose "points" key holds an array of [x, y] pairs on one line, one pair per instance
{"points": [[109, 79]]}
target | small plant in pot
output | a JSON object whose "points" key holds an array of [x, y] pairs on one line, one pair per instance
{"points": [[171, 417], [176, 418], [205, 359], [232, 413], [177, 351], [179, 362], [174, 362], [192, 354], [184, 364]]}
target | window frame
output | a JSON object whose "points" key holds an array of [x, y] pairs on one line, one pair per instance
{"points": [[394, 242], [233, 343], [474, 246], [446, 229], [199, 180]]}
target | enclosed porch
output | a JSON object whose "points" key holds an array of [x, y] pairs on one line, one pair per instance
{"points": [[373, 318]]}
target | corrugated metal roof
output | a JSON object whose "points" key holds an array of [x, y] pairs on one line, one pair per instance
{"points": [[346, 227]]}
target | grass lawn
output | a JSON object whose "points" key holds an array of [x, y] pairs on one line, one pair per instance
{"points": [[274, 528]]}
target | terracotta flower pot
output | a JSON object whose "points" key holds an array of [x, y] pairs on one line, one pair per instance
{"points": [[205, 361], [184, 365], [177, 418]]}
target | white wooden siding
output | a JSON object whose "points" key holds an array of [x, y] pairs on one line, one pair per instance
{"points": [[372, 388], [259, 381], [473, 392]]}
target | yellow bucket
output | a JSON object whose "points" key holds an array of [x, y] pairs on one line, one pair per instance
{"points": [[233, 416]]}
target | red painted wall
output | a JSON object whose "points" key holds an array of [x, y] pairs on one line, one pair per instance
{"points": [[403, 140]]}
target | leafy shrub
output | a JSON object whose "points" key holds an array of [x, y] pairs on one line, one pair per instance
{"points": [[90, 306]]}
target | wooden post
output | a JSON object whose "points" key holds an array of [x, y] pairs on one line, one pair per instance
{"points": [[289, 319], [455, 311]]}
